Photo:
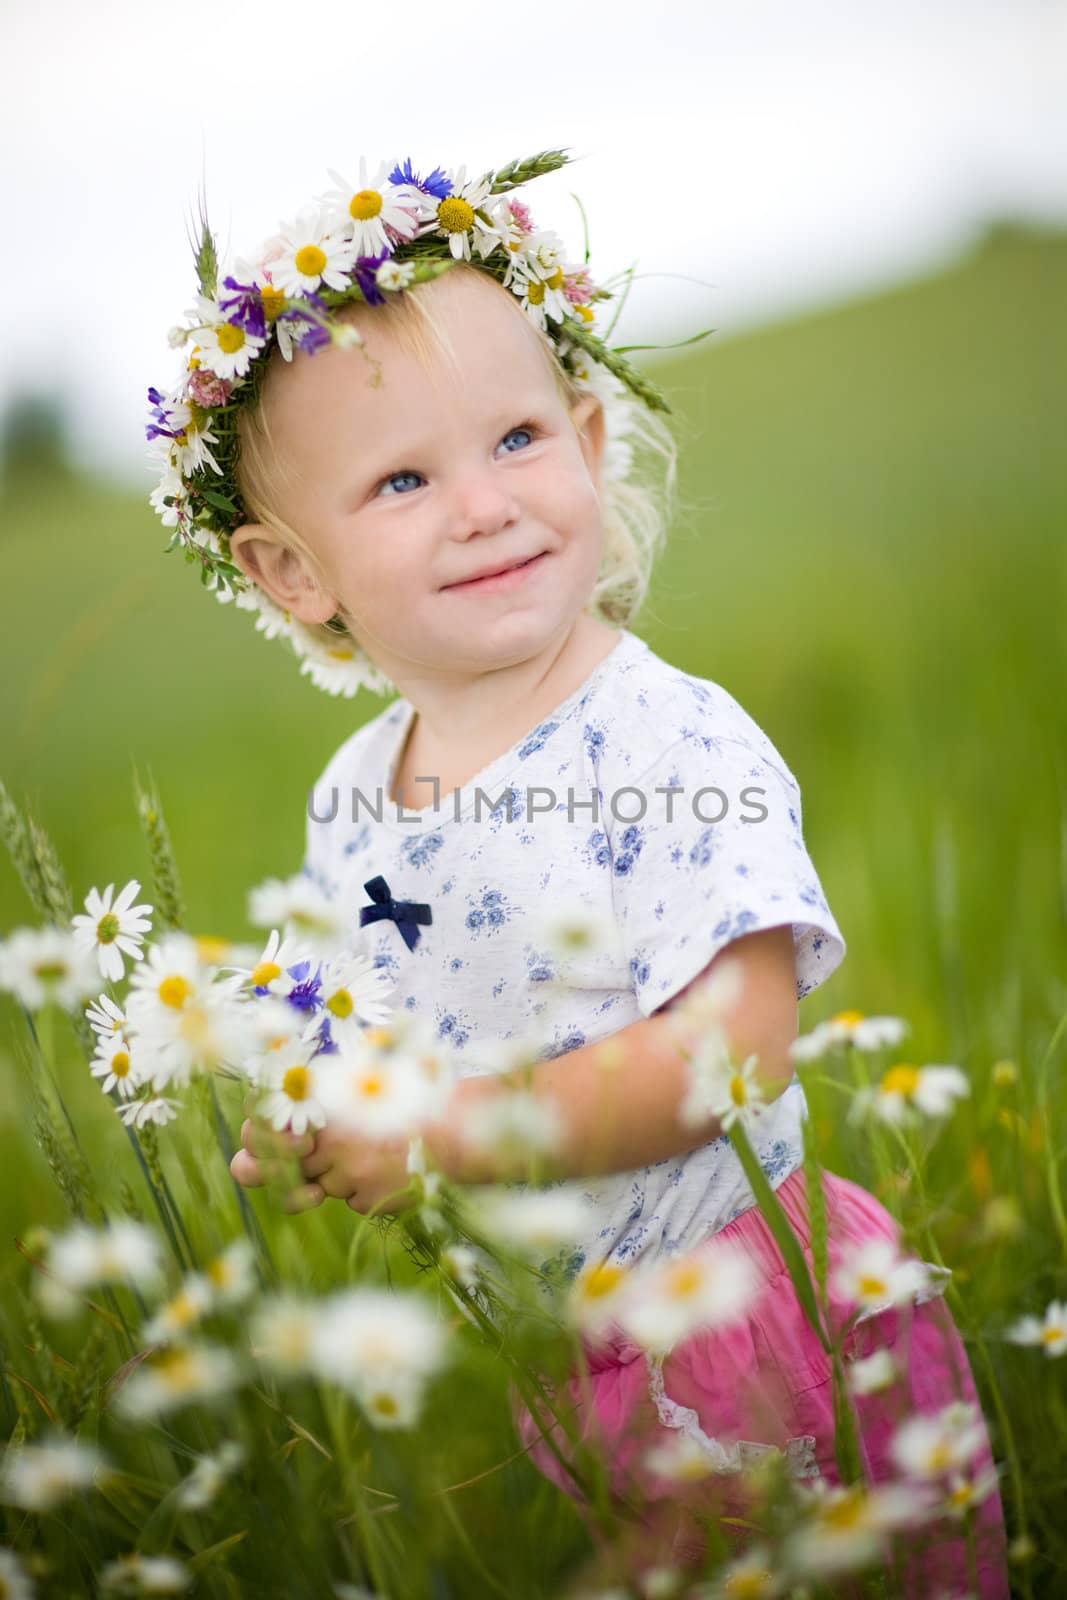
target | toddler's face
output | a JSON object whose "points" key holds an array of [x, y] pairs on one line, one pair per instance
{"points": [[408, 489]]}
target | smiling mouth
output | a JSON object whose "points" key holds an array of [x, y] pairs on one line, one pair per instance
{"points": [[491, 577]]}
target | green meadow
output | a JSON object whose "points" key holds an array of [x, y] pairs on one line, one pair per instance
{"points": [[871, 557]]}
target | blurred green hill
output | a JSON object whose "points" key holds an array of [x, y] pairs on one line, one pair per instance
{"points": [[872, 560]]}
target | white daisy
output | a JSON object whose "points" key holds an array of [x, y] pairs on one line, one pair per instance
{"points": [[846, 1527], [669, 1299], [1049, 1330], [370, 1091], [168, 499], [353, 992], [292, 1083], [225, 348], [135, 1574], [363, 212], [231, 1275], [15, 1581], [200, 1487], [454, 217], [597, 1295], [281, 1334], [966, 1494], [513, 1124], [114, 1065], [180, 1374], [303, 910], [107, 1020], [876, 1275], [931, 1446], [182, 1313], [382, 1347], [531, 1219], [717, 1087], [749, 1577], [536, 276], [182, 441], [153, 1111], [394, 275], [111, 929], [339, 667], [269, 974], [681, 1458], [208, 1032], [905, 1093], [872, 1374], [312, 255], [848, 1028], [121, 1252], [39, 1477], [42, 966], [275, 1025]]}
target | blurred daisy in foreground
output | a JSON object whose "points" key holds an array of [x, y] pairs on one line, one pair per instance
{"points": [[931, 1446], [181, 1374], [232, 1274], [669, 1299], [848, 1028], [292, 1082], [353, 993], [872, 1374], [135, 1574], [382, 1347], [152, 1111], [47, 966], [296, 905], [281, 1334], [1049, 1330], [529, 1220], [107, 1020], [201, 1486], [512, 1124], [182, 1313], [15, 1581], [718, 1087], [749, 1577], [40, 1476], [846, 1528], [906, 1093], [876, 1275], [113, 927], [121, 1252]]}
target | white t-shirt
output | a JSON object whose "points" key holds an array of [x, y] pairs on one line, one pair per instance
{"points": [[720, 856]]}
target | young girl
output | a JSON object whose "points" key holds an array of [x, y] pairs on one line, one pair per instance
{"points": [[436, 490]]}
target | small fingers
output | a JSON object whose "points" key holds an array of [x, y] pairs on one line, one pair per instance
{"points": [[246, 1169], [261, 1141], [305, 1198]]}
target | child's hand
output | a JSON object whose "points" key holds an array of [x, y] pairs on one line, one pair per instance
{"points": [[368, 1174], [259, 1161]]}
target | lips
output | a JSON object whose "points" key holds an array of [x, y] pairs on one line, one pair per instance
{"points": [[494, 572]]}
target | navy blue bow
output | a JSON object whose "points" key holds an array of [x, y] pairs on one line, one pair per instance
{"points": [[405, 913]]}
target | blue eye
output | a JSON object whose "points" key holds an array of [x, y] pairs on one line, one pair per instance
{"points": [[528, 428]]}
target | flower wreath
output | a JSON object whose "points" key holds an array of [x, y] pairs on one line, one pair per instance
{"points": [[357, 245]]}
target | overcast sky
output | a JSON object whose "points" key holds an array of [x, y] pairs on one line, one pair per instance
{"points": [[785, 153]]}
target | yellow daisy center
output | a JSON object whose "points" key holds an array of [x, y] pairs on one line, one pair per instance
{"points": [[385, 1405], [296, 1083], [107, 929], [340, 654], [174, 991], [455, 214], [555, 281], [371, 1085], [535, 292], [738, 1093], [1050, 1335], [846, 1512], [230, 338], [219, 1271], [960, 1496], [748, 1585], [273, 301], [309, 260], [872, 1287], [848, 1018], [265, 972], [940, 1458], [683, 1280], [340, 1003], [183, 1310], [601, 1280], [50, 971], [195, 1028], [586, 313], [364, 203], [120, 1063], [901, 1079], [177, 1368], [212, 949], [379, 1038]]}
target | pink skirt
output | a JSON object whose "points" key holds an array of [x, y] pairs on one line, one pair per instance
{"points": [[765, 1383]]}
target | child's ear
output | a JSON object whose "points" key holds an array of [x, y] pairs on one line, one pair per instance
{"points": [[587, 414], [284, 574]]}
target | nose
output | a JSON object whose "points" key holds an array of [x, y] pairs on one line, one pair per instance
{"points": [[482, 502]]}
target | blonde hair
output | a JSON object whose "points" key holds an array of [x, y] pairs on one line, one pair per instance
{"points": [[635, 512]]}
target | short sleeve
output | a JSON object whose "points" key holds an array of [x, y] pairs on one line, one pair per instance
{"points": [[717, 851]]}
